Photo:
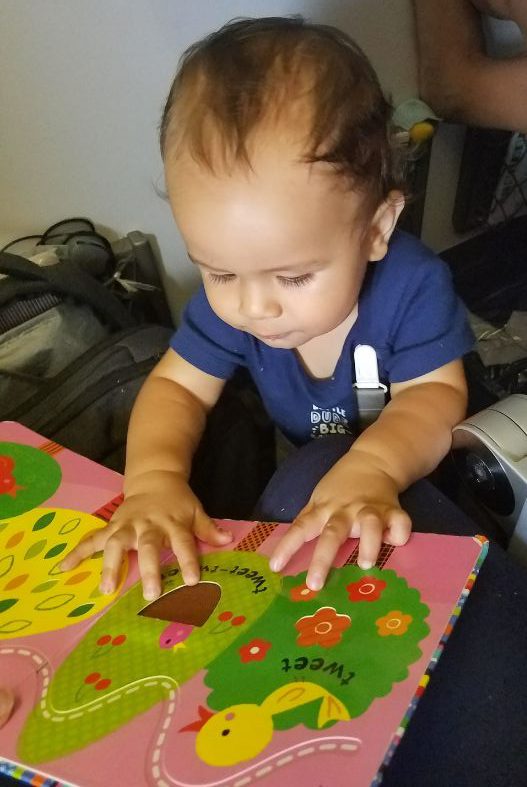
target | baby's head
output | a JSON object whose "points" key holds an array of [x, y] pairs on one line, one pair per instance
{"points": [[281, 173]]}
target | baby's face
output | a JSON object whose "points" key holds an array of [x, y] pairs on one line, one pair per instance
{"points": [[282, 248]]}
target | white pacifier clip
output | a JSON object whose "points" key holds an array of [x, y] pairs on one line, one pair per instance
{"points": [[371, 393]]}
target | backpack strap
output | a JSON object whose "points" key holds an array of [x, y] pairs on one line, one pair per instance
{"points": [[65, 279]]}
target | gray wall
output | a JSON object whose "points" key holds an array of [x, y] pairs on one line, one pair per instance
{"points": [[82, 84]]}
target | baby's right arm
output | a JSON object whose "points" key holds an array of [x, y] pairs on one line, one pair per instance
{"points": [[159, 508]]}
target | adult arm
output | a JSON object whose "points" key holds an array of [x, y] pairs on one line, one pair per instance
{"points": [[456, 77]]}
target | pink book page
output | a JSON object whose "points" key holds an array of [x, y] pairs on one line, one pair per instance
{"points": [[246, 678]]}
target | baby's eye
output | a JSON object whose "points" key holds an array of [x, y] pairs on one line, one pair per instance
{"points": [[295, 281], [220, 278]]}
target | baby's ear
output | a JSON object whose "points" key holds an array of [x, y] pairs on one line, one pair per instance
{"points": [[383, 224]]}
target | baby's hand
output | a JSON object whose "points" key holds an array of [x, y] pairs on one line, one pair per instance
{"points": [[168, 514], [354, 500]]}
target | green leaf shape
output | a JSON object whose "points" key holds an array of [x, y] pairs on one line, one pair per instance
{"points": [[78, 611], [55, 602], [12, 626], [35, 549], [55, 569], [69, 526], [6, 564], [45, 586], [56, 550], [7, 603], [44, 520]]}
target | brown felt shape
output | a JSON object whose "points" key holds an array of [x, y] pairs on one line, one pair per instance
{"points": [[188, 604]]}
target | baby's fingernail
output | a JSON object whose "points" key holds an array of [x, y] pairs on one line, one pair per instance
{"points": [[106, 588], [150, 593], [225, 534], [276, 564], [314, 582], [366, 564]]}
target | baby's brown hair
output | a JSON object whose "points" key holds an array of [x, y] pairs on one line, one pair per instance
{"points": [[256, 71]]}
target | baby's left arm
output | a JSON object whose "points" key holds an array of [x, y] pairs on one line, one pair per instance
{"points": [[359, 496]]}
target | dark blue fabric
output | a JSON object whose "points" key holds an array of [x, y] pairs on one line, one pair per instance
{"points": [[407, 311], [469, 728]]}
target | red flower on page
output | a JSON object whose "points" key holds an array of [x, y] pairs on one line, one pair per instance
{"points": [[255, 650], [366, 589], [324, 628], [302, 593]]}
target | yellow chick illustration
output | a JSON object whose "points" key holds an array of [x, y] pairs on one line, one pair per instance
{"points": [[241, 732]]}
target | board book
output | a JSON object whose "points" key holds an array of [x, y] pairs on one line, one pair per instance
{"points": [[247, 678]]}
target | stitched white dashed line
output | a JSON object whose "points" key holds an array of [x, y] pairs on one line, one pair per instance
{"points": [[347, 745], [251, 775], [156, 753], [75, 713], [305, 752], [22, 652], [284, 760]]}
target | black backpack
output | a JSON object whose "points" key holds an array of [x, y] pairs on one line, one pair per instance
{"points": [[72, 359], [72, 356]]}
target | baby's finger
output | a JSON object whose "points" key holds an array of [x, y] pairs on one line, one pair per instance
{"points": [[399, 527], [92, 543], [305, 527], [116, 545], [371, 533], [149, 546], [331, 539], [208, 531], [183, 545]]}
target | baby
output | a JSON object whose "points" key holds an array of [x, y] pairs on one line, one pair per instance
{"points": [[282, 178]]}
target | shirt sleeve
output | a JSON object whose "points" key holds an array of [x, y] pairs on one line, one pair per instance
{"points": [[432, 328], [207, 342]]}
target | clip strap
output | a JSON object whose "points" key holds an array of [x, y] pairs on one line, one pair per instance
{"points": [[371, 393]]}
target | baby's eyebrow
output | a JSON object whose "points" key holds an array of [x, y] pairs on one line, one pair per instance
{"points": [[308, 264]]}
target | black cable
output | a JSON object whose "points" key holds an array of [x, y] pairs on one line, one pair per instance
{"points": [[47, 235], [79, 219], [18, 240]]}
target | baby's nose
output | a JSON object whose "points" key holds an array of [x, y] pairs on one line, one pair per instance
{"points": [[257, 303]]}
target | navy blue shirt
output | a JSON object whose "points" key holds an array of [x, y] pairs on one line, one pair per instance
{"points": [[407, 310]]}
